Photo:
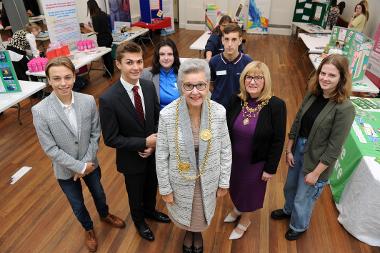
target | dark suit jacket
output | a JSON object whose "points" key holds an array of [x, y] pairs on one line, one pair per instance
{"points": [[269, 136], [122, 129]]}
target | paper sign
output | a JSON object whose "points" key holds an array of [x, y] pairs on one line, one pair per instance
{"points": [[308, 6], [318, 13], [299, 11], [306, 18]]}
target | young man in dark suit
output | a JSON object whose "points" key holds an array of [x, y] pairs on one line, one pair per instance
{"points": [[129, 112]]}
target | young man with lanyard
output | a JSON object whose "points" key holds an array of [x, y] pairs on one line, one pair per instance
{"points": [[227, 66]]}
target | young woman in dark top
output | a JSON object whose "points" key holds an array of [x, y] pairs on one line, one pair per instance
{"points": [[100, 23], [315, 141]]}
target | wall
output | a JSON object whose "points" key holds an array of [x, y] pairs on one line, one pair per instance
{"points": [[280, 17]]}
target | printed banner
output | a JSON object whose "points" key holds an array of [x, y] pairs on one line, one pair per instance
{"points": [[363, 140], [258, 16], [62, 22]]}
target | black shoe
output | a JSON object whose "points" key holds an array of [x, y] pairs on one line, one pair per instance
{"points": [[144, 231], [292, 235], [198, 250], [279, 215], [158, 216], [186, 249]]}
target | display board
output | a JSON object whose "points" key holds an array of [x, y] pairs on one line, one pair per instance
{"points": [[9, 82], [355, 46], [62, 22], [363, 140], [258, 16], [373, 69], [309, 11], [150, 9], [120, 11], [167, 8]]}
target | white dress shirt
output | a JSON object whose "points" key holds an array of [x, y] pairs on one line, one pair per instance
{"points": [[71, 116], [128, 87]]}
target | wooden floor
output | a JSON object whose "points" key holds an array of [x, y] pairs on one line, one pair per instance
{"points": [[36, 217]]}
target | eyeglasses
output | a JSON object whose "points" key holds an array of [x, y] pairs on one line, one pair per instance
{"points": [[255, 78], [189, 86], [58, 79]]}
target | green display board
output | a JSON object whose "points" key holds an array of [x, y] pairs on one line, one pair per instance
{"points": [[307, 11], [9, 82], [319, 14], [363, 140], [355, 46]]}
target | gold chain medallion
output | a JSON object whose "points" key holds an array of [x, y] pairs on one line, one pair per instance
{"points": [[206, 134], [249, 112]]}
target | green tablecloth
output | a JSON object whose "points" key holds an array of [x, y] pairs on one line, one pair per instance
{"points": [[363, 140]]}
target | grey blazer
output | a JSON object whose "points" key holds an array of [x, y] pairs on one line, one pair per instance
{"points": [[327, 135], [68, 150], [147, 75], [218, 167]]}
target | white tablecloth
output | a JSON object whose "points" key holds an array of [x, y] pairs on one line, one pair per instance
{"points": [[359, 205]]}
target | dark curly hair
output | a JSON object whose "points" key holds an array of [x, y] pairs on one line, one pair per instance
{"points": [[156, 56]]}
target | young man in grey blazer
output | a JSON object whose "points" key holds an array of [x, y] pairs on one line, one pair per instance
{"points": [[68, 128]]}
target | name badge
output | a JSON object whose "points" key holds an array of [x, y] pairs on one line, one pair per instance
{"points": [[221, 72]]}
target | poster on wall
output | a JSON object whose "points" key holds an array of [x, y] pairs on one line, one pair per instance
{"points": [[9, 82], [373, 69], [119, 11], [211, 16], [62, 22], [258, 16]]}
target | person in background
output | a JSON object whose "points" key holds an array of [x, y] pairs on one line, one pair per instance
{"points": [[214, 44], [68, 128], [100, 23], [317, 135], [257, 124], [164, 71], [227, 66], [32, 8], [333, 16], [20, 42], [129, 112], [193, 157], [359, 19]]}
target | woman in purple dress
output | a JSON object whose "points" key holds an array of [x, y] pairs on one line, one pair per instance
{"points": [[257, 123]]}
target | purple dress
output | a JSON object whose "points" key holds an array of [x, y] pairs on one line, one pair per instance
{"points": [[247, 190]]}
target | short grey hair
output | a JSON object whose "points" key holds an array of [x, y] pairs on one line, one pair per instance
{"points": [[193, 66]]}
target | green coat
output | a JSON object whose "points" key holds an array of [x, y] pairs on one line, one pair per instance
{"points": [[327, 135]]}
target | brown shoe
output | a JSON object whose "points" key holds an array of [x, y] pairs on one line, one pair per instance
{"points": [[114, 221], [91, 242]]}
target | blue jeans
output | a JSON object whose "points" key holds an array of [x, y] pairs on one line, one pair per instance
{"points": [[299, 196], [73, 192]]}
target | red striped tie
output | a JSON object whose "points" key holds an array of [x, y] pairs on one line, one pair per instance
{"points": [[138, 104]]}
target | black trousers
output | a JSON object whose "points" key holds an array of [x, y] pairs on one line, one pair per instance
{"points": [[142, 190], [107, 58]]}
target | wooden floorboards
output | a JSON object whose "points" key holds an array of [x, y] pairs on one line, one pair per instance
{"points": [[36, 217]]}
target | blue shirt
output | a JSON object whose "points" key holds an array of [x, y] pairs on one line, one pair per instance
{"points": [[168, 87], [225, 75]]}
